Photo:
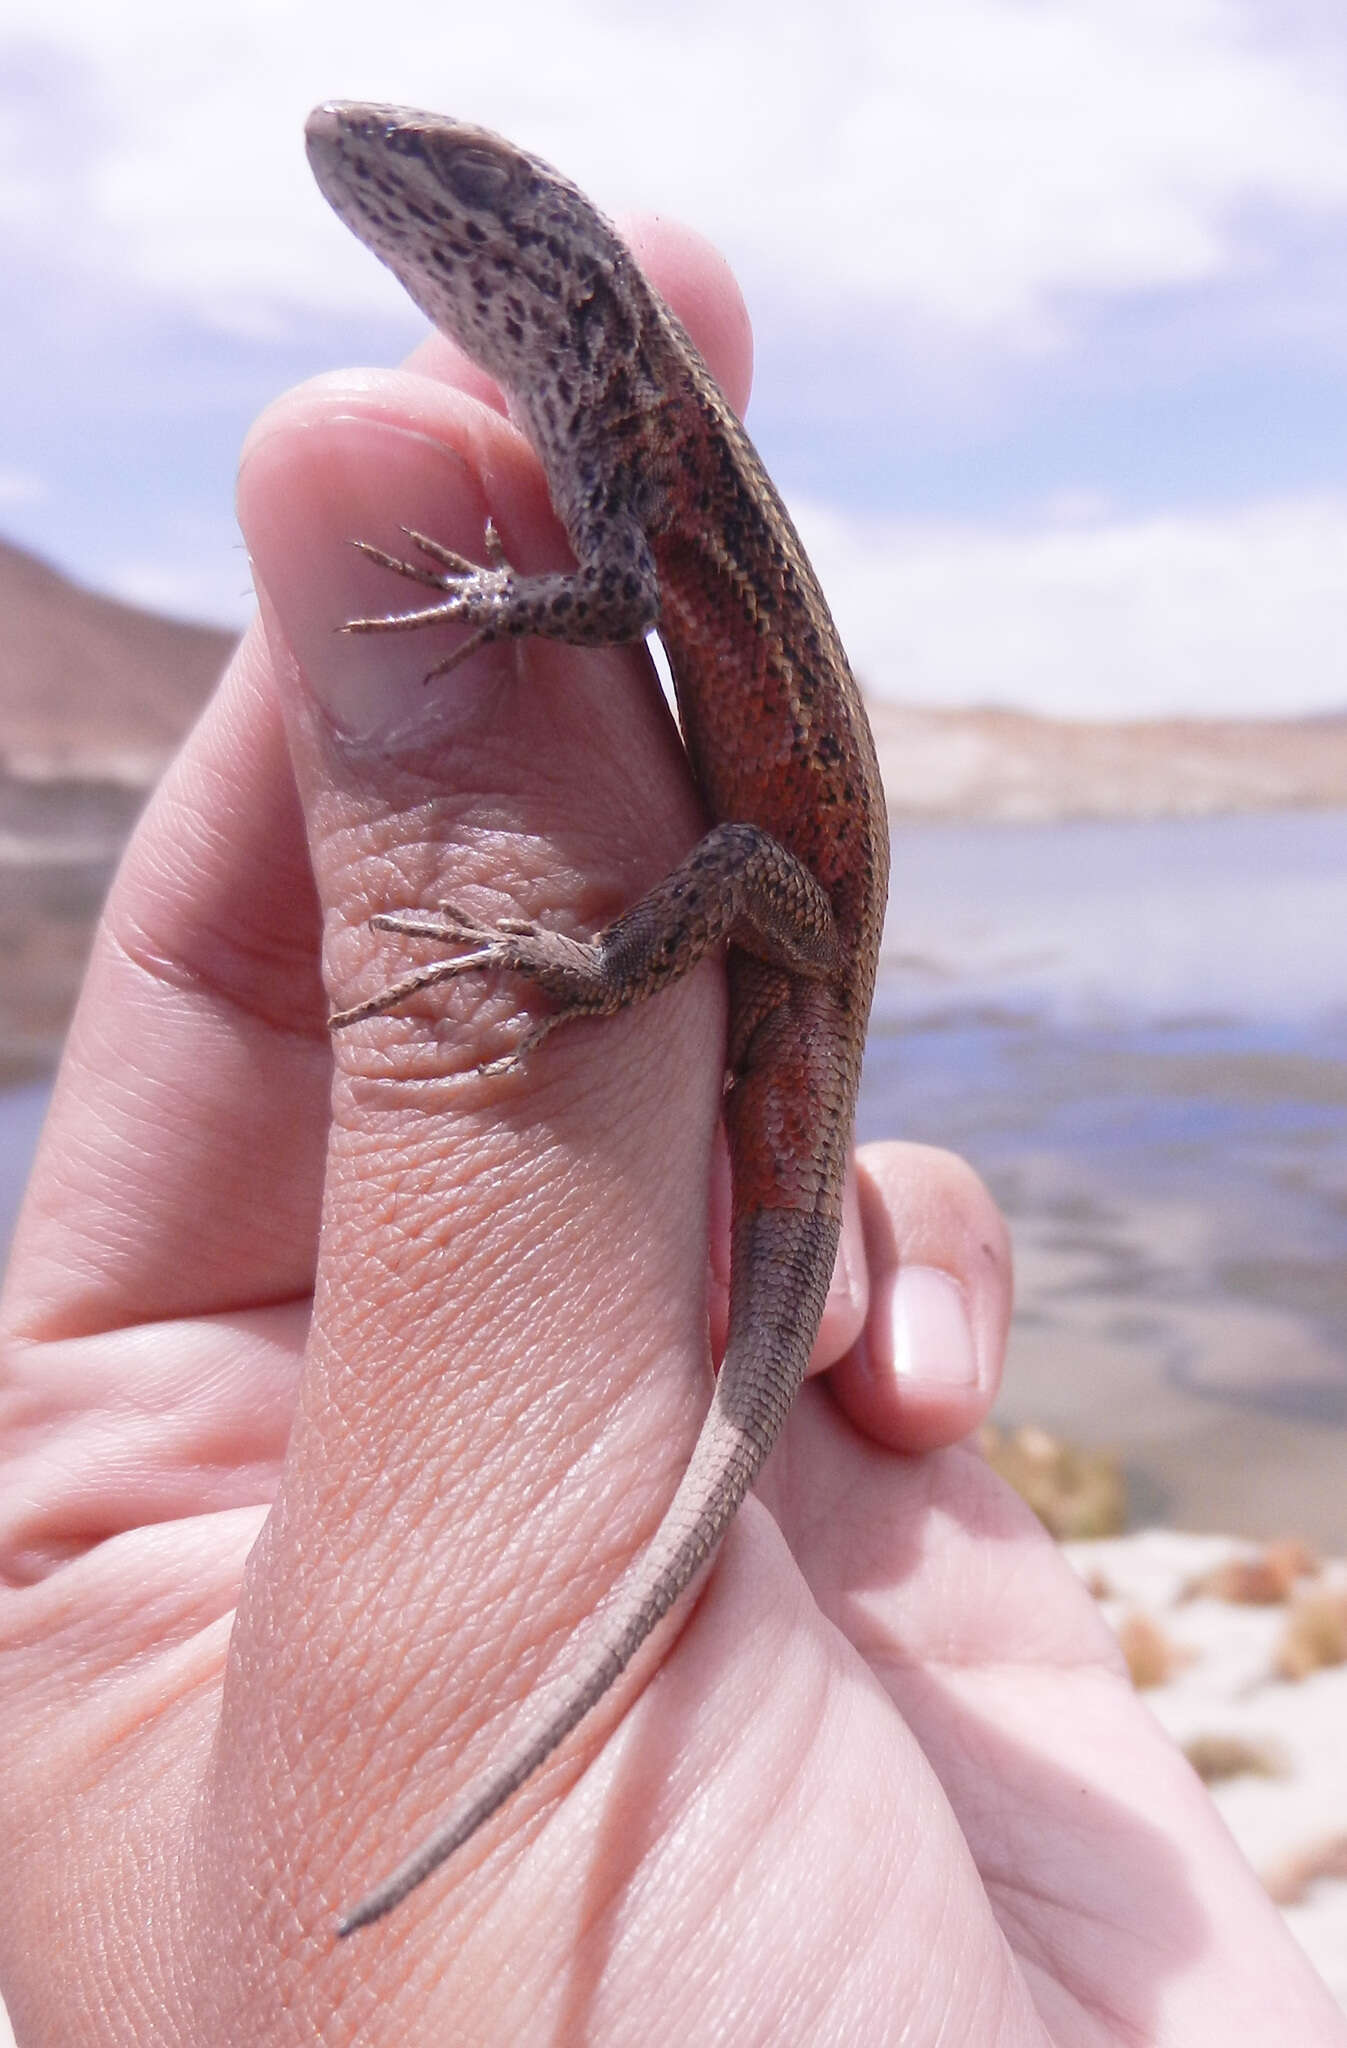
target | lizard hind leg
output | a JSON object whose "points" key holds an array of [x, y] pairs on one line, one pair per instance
{"points": [[737, 885]]}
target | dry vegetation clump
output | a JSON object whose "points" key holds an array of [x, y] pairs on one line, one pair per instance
{"points": [[1152, 1656], [1265, 1579], [1074, 1492], [1287, 1882], [1217, 1757], [1315, 1635]]}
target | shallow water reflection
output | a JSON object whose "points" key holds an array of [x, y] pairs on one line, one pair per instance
{"points": [[1138, 1034]]}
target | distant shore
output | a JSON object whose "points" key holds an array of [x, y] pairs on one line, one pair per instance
{"points": [[96, 695], [1016, 768], [70, 792]]}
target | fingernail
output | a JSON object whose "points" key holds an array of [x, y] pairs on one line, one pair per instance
{"points": [[302, 503], [932, 1335]]}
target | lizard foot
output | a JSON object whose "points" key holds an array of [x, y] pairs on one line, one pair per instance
{"points": [[514, 944], [472, 595], [486, 946]]}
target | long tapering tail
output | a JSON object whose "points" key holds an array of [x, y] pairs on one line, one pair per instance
{"points": [[781, 1264]]}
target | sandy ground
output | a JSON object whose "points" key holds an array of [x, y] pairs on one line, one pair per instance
{"points": [[1287, 1808]]}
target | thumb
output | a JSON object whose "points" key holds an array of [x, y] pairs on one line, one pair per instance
{"points": [[509, 1312]]}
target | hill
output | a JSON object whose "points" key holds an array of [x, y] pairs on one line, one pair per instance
{"points": [[95, 696]]}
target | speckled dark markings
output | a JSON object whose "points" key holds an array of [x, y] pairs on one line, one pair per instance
{"points": [[673, 522]]}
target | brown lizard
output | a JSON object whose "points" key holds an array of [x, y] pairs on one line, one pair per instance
{"points": [[674, 525]]}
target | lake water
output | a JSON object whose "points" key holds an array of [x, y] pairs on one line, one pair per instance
{"points": [[21, 1114], [1138, 1034]]}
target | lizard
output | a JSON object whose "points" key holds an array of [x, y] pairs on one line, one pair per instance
{"points": [[675, 527]]}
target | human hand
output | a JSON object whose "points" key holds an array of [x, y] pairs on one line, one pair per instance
{"points": [[883, 1779]]}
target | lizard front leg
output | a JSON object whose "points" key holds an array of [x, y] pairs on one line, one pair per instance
{"points": [[611, 599]]}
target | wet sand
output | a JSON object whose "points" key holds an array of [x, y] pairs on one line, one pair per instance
{"points": [[1184, 1307]]}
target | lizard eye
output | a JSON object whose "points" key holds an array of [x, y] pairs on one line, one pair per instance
{"points": [[475, 176]]}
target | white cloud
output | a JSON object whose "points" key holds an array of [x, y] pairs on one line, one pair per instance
{"points": [[967, 164], [1228, 613], [969, 175]]}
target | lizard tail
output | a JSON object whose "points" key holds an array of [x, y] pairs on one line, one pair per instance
{"points": [[781, 1264]]}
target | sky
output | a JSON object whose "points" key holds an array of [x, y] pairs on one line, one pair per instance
{"points": [[1050, 299]]}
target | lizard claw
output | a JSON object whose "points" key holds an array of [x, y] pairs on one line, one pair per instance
{"points": [[485, 947], [460, 653], [512, 1062], [457, 565], [452, 926], [412, 570]]}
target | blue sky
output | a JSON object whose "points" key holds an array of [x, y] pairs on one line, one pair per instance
{"points": [[1050, 296]]}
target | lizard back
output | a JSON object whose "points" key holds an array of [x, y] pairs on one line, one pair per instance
{"points": [[674, 525], [644, 457]]}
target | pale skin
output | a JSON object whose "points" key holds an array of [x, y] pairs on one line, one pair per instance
{"points": [[881, 1780]]}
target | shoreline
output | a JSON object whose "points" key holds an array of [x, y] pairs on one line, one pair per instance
{"points": [[1013, 767]]}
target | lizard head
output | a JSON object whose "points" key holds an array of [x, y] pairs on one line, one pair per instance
{"points": [[500, 251]]}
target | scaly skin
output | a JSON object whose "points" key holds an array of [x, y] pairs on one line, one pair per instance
{"points": [[674, 524]]}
